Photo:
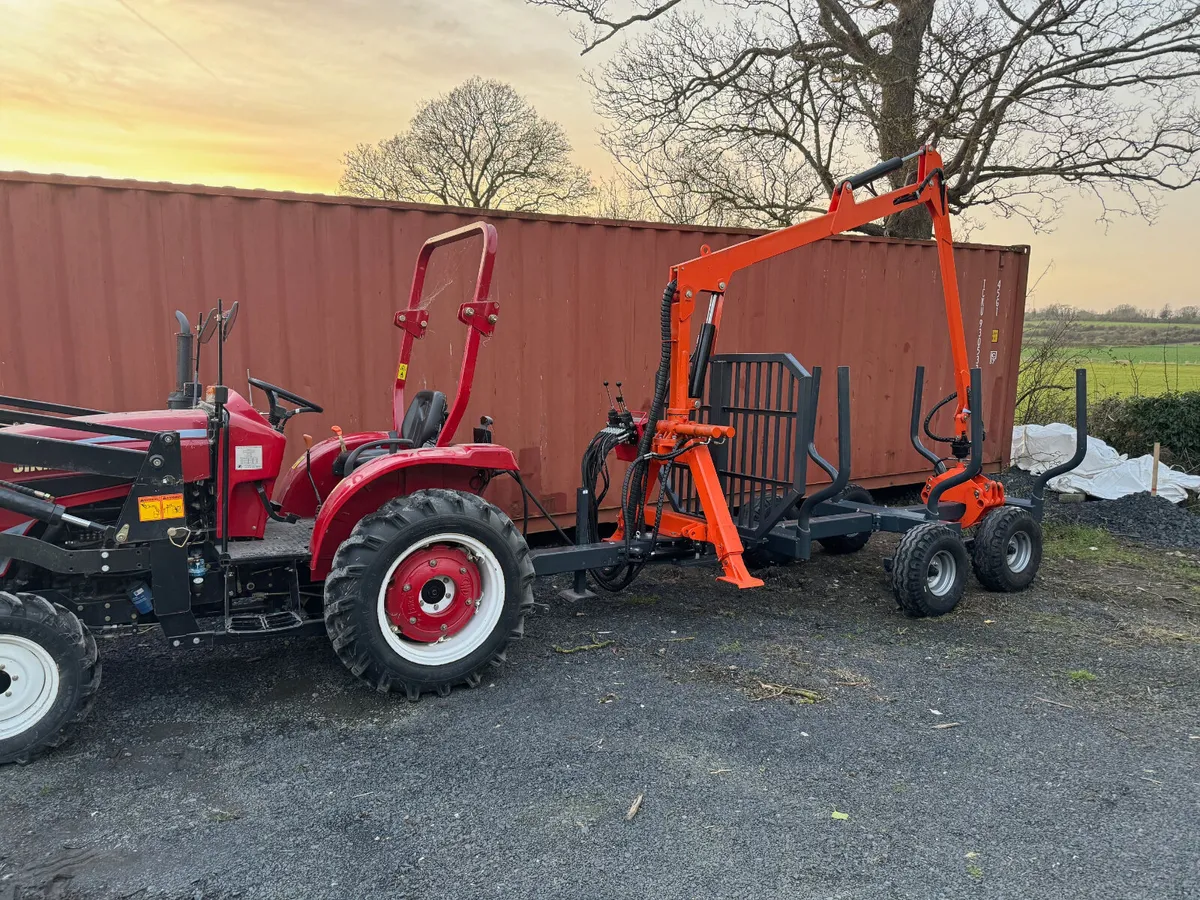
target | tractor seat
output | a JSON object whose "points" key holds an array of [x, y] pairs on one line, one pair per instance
{"points": [[422, 424], [425, 417]]}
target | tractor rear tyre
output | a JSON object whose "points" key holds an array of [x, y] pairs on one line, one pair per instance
{"points": [[427, 592], [1008, 549], [849, 543], [929, 570], [49, 675]]}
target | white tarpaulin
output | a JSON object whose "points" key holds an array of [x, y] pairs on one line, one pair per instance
{"points": [[1104, 472]]}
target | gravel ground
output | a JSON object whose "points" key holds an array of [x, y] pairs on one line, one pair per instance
{"points": [[1139, 517], [267, 772]]}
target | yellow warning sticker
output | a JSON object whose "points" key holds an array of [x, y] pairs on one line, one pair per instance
{"points": [[164, 506], [172, 506], [150, 509], [995, 335], [402, 371]]}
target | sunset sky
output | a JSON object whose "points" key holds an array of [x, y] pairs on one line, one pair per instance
{"points": [[269, 93]]}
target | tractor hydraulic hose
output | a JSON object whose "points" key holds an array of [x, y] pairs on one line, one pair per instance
{"points": [[932, 413], [596, 478], [635, 493]]}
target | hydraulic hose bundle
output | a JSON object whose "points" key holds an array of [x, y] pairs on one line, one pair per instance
{"points": [[594, 468], [594, 474], [635, 478]]}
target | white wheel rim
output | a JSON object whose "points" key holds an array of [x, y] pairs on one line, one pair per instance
{"points": [[30, 681], [1019, 551], [472, 635], [943, 569]]}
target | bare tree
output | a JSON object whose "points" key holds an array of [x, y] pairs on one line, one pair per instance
{"points": [[1048, 360], [762, 105], [482, 145]]}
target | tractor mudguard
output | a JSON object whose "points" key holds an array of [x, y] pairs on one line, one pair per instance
{"points": [[463, 467], [294, 492]]}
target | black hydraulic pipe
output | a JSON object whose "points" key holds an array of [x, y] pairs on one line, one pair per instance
{"points": [[842, 475], [914, 436], [23, 503], [1038, 497], [34, 507], [876, 171], [814, 396], [704, 344], [700, 360], [975, 462]]}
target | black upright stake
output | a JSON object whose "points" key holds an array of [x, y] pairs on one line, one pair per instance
{"points": [[579, 589], [219, 397]]}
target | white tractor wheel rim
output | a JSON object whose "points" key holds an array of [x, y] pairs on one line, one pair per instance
{"points": [[1019, 552], [472, 635], [943, 569], [30, 683]]}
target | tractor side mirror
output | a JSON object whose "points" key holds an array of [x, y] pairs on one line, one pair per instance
{"points": [[207, 327], [230, 318]]}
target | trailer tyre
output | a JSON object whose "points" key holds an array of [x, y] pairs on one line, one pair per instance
{"points": [[49, 675], [428, 592], [929, 570], [1007, 552], [849, 543]]}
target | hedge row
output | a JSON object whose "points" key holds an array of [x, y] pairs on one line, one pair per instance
{"points": [[1133, 424]]}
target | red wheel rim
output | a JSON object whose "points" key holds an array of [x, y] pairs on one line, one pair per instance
{"points": [[433, 594]]}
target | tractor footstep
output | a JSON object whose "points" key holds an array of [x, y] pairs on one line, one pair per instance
{"points": [[244, 623]]}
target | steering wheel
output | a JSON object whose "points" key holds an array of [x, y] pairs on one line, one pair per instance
{"points": [[277, 414]]}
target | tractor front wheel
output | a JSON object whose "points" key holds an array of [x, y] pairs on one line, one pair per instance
{"points": [[1007, 552], [427, 592], [929, 570], [49, 674]]}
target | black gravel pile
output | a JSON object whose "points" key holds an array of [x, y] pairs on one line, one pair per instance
{"points": [[1139, 517]]}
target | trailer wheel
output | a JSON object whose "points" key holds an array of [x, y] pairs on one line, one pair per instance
{"points": [[849, 543], [1008, 549], [49, 674], [929, 570], [427, 592]]}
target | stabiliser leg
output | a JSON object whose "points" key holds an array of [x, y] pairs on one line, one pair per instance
{"points": [[716, 527]]}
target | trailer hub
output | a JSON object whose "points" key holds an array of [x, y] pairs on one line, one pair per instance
{"points": [[434, 593]]}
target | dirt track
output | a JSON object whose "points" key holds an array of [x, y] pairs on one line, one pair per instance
{"points": [[266, 771]]}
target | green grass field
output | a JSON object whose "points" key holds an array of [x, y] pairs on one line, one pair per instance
{"points": [[1139, 370]]}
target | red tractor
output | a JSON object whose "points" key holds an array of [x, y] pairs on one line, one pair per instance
{"points": [[380, 539]]}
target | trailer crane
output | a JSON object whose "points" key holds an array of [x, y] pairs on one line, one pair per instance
{"points": [[683, 429]]}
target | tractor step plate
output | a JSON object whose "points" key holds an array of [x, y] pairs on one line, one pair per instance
{"points": [[255, 623], [283, 540]]}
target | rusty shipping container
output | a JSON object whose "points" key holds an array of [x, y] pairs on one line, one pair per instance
{"points": [[91, 269]]}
